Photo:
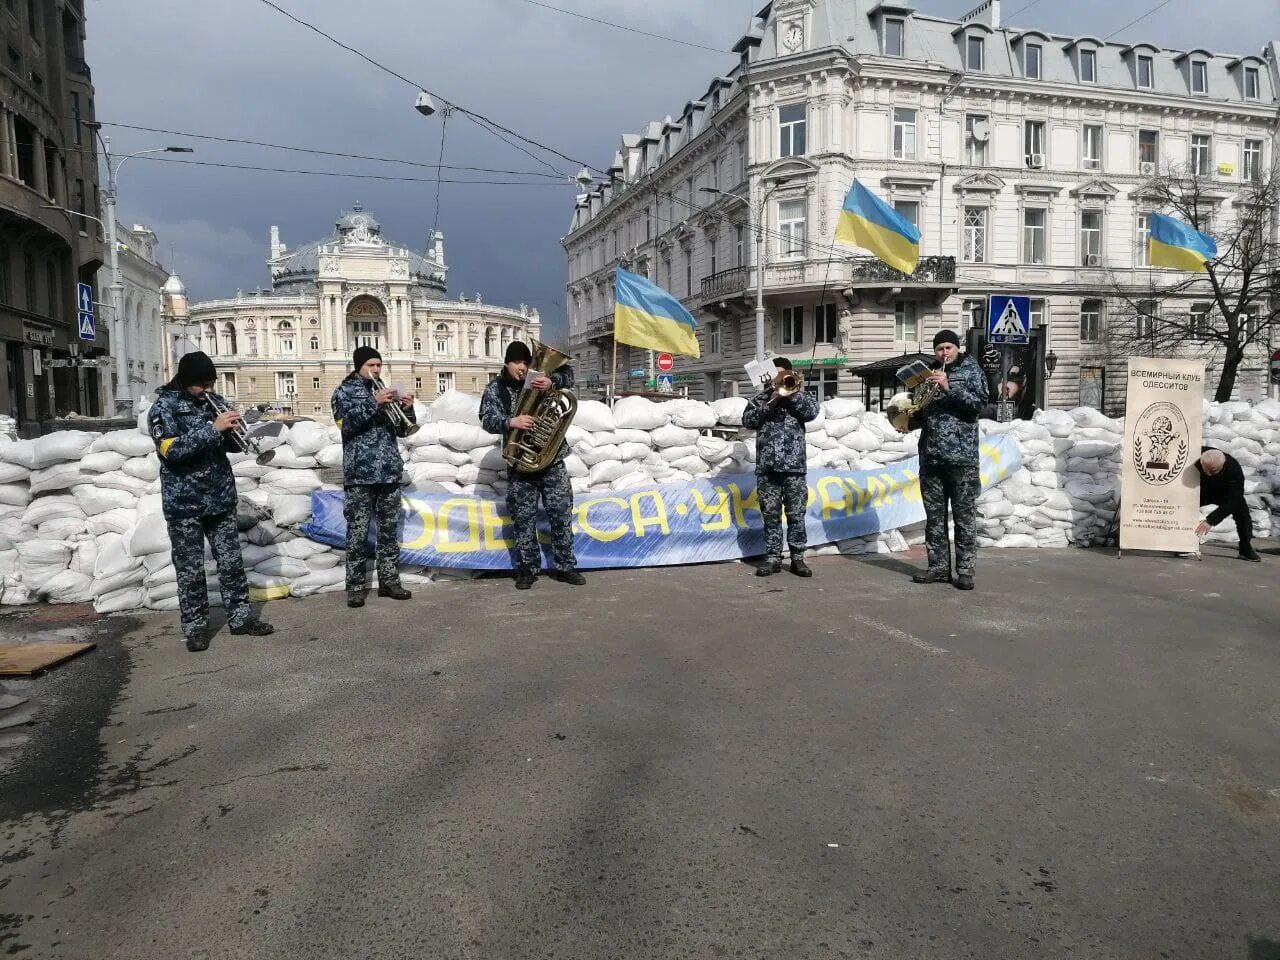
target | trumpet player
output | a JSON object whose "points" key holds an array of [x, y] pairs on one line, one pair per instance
{"points": [[194, 430], [551, 485], [778, 415], [371, 468], [949, 461]]}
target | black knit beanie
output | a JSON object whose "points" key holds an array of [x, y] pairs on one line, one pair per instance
{"points": [[195, 370], [363, 355], [946, 336], [781, 363], [517, 352]]}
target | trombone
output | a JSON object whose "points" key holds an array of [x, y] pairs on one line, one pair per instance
{"points": [[785, 384], [240, 432], [395, 413]]}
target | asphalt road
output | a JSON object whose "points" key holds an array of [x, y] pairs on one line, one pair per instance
{"points": [[1079, 759]]}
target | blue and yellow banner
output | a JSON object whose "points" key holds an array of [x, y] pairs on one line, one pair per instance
{"points": [[645, 315], [1179, 245], [868, 222], [712, 519]]}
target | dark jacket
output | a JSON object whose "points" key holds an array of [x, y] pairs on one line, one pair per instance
{"points": [[949, 425], [1225, 488], [370, 454], [195, 474], [498, 404], [780, 444]]}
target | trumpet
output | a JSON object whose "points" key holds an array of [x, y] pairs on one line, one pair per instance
{"points": [[395, 413], [239, 433], [785, 384]]}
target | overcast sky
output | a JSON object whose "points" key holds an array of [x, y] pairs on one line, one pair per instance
{"points": [[237, 68]]}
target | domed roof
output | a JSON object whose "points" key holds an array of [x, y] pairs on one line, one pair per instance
{"points": [[358, 223]]}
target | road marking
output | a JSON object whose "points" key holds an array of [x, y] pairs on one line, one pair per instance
{"points": [[894, 633]]}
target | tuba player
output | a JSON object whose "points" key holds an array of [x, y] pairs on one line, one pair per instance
{"points": [[498, 415]]}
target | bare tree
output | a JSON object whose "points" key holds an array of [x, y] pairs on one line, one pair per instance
{"points": [[1240, 290]]}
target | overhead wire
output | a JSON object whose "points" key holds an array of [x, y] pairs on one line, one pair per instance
{"points": [[352, 176], [621, 26]]}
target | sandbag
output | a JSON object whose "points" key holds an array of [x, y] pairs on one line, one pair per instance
{"points": [[68, 587], [142, 468], [147, 537], [281, 567], [602, 454], [465, 437], [639, 413], [607, 471], [672, 436], [841, 408], [15, 494], [594, 417], [307, 438], [118, 601], [104, 461], [43, 509], [729, 410], [40, 560], [455, 407], [291, 481], [13, 473], [289, 510], [127, 443], [692, 415], [60, 476], [93, 500]]}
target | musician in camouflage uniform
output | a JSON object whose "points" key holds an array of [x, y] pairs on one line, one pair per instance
{"points": [[371, 468], [198, 497], [782, 469], [497, 415], [949, 462]]}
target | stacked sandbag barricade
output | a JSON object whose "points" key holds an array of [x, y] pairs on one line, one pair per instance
{"points": [[80, 516]]}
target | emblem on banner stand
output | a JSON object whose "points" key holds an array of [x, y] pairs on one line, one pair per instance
{"points": [[1160, 447]]}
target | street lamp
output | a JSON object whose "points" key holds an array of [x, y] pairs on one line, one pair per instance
{"points": [[758, 214], [1050, 365], [122, 399]]}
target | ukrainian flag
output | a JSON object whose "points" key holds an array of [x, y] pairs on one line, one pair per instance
{"points": [[645, 315], [868, 222], [1176, 244]]}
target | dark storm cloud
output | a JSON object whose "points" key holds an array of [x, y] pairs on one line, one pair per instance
{"points": [[237, 68]]}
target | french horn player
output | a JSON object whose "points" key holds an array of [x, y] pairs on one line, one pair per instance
{"points": [[530, 405], [949, 460]]}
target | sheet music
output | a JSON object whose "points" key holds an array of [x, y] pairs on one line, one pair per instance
{"points": [[913, 374]]}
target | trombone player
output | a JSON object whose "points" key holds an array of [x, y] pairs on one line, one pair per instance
{"points": [[194, 430], [778, 415], [371, 416]]}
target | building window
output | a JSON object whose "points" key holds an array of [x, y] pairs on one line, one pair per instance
{"points": [[444, 382], [29, 281], [1200, 320], [1149, 150], [490, 341], [1037, 314], [1252, 84], [974, 312], [975, 53], [791, 228], [822, 384], [904, 134], [739, 246], [909, 210], [315, 383], [712, 265], [1033, 234], [442, 339], [1088, 66], [1146, 71], [688, 273], [1145, 317], [895, 31], [906, 327], [977, 130], [1093, 386], [1143, 258], [53, 286], [417, 384], [5, 286], [286, 386], [975, 235], [1199, 76], [1033, 143], [251, 345], [1252, 172], [284, 331], [471, 347], [713, 337], [1201, 151], [75, 116], [1090, 321], [791, 129], [368, 333], [1091, 238], [1092, 147], [792, 326], [314, 344], [825, 323], [417, 344], [1032, 56]]}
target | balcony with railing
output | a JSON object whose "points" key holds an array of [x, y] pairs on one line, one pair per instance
{"points": [[725, 284], [599, 328], [931, 271]]}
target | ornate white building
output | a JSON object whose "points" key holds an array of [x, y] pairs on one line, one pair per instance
{"points": [[1021, 155], [143, 327], [292, 345]]}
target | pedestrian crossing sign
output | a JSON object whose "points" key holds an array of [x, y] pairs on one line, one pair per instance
{"points": [[1009, 320], [88, 329]]}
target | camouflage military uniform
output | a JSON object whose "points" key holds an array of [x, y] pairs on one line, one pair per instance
{"points": [[198, 495], [497, 406], [949, 467], [371, 468], [781, 467]]}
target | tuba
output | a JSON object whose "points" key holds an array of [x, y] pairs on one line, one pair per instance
{"points": [[532, 450], [903, 406]]}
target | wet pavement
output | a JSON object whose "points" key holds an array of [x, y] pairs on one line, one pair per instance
{"points": [[1079, 759]]}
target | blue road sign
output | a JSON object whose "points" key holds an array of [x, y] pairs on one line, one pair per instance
{"points": [[84, 296], [84, 302], [1009, 320], [88, 327], [666, 382]]}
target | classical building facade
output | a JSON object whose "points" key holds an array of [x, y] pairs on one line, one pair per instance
{"points": [[143, 327], [47, 160], [291, 346], [1022, 156]]}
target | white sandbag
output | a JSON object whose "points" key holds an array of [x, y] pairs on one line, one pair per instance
{"points": [[286, 458], [8, 563], [671, 435], [692, 414], [633, 452], [817, 422], [1018, 541], [819, 440], [1094, 448], [148, 536], [93, 499], [326, 561], [455, 407], [68, 587], [302, 549], [15, 494], [639, 413], [1089, 417], [291, 481], [84, 557], [13, 473], [281, 567], [488, 458], [248, 468], [118, 601], [289, 509], [127, 443], [330, 457], [594, 417], [837, 428], [841, 408], [307, 438], [63, 528], [607, 471], [601, 454], [694, 466], [466, 437], [318, 581], [729, 410], [43, 509], [104, 461], [635, 478], [264, 581], [20, 452], [420, 473], [428, 433], [143, 468], [120, 481], [575, 466], [60, 476], [713, 449], [862, 440], [627, 436], [63, 446], [39, 560], [438, 454]]}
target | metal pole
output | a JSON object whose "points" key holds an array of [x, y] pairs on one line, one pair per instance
{"points": [[613, 373], [760, 280], [123, 401]]}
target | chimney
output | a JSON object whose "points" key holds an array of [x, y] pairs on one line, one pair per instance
{"points": [[987, 12], [276, 248]]}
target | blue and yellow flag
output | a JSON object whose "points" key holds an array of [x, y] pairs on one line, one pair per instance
{"points": [[868, 222], [1178, 245], [645, 315]]}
